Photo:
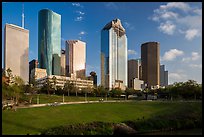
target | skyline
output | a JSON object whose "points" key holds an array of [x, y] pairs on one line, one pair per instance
{"points": [[180, 39]]}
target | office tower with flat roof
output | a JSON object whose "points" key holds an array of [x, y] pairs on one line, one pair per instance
{"points": [[32, 65], [76, 58], [63, 63], [49, 41], [150, 62], [133, 71], [113, 55], [163, 76], [16, 45], [93, 77]]}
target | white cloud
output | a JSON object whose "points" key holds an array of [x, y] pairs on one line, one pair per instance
{"points": [[180, 18], [194, 56], [80, 12], [196, 66], [167, 28], [77, 5], [172, 54], [131, 52], [176, 77], [191, 33], [129, 26], [198, 11], [80, 18], [82, 33], [111, 5], [179, 5]]}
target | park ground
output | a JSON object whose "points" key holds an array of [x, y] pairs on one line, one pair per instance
{"points": [[35, 120]]}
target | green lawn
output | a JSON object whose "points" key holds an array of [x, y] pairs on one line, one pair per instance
{"points": [[44, 98], [33, 120]]}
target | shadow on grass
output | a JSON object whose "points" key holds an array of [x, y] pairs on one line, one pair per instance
{"points": [[29, 127]]}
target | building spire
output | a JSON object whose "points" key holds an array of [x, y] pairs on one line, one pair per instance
{"points": [[23, 16]]}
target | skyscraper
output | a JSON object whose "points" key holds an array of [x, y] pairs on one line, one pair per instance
{"points": [[113, 54], [76, 58], [93, 77], [63, 63], [16, 45], [133, 71], [49, 41], [163, 76], [32, 65], [150, 63]]}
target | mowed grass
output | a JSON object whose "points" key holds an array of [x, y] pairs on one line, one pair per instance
{"points": [[34, 120], [44, 98]]}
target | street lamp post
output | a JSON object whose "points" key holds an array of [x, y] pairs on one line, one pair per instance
{"points": [[63, 98], [38, 99]]}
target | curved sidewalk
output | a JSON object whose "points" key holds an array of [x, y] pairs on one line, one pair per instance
{"points": [[65, 103]]}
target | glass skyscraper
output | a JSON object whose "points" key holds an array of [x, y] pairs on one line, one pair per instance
{"points": [[113, 54], [49, 41]]}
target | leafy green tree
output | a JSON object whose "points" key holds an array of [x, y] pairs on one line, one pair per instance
{"points": [[116, 92], [68, 87], [129, 91], [54, 79], [48, 86], [10, 75]]}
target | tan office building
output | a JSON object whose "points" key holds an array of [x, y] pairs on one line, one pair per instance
{"points": [[150, 62], [76, 58], [133, 71], [61, 80], [16, 46]]}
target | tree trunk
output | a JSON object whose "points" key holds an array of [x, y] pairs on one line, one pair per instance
{"points": [[30, 101]]}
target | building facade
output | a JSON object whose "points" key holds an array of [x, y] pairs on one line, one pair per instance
{"points": [[49, 41], [113, 54], [16, 46], [32, 65], [150, 62], [76, 58], [61, 80], [63, 63], [138, 84], [163, 76], [93, 77], [133, 71], [37, 73]]}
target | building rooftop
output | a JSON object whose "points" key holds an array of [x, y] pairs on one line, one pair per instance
{"points": [[116, 24], [12, 25]]}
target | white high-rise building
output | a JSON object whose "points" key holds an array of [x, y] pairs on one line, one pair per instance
{"points": [[75, 58], [16, 45], [113, 55]]}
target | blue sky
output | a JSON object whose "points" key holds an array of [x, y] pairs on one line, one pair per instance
{"points": [[176, 26]]}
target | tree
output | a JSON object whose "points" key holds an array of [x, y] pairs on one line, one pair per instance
{"points": [[54, 79], [116, 92], [10, 75], [102, 91], [129, 91], [18, 81], [17, 88], [67, 87], [48, 86]]}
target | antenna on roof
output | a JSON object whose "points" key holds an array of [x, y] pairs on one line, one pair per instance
{"points": [[23, 16]]}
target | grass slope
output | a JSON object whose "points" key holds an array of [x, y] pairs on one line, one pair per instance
{"points": [[34, 120]]}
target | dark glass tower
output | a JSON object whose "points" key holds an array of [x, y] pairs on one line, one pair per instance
{"points": [[49, 41]]}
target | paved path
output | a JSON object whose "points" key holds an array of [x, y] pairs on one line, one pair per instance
{"points": [[65, 103]]}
